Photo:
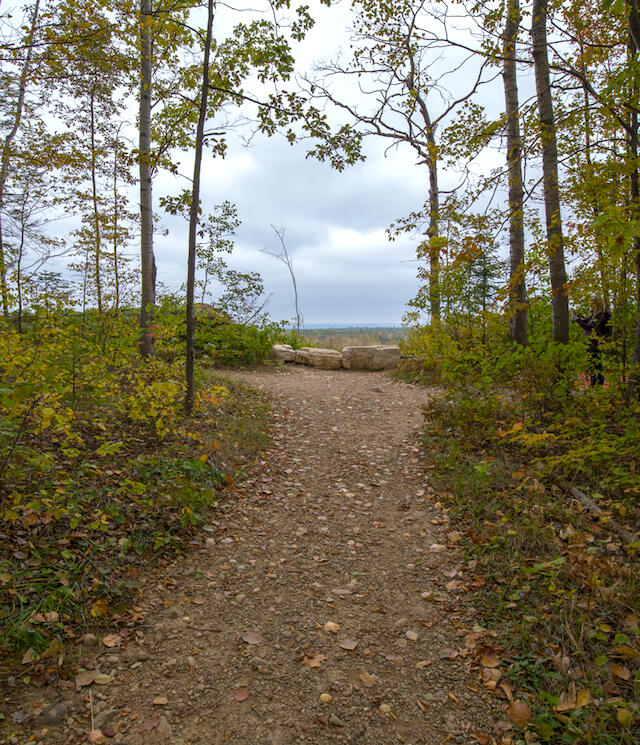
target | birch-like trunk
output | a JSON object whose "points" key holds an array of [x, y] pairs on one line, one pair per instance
{"points": [[94, 199], [7, 146], [193, 213], [517, 286], [557, 272], [147, 259]]}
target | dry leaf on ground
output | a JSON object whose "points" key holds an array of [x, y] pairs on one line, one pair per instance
{"points": [[251, 637], [86, 678], [348, 644], [313, 660], [519, 713]]}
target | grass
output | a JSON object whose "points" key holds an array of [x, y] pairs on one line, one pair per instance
{"points": [[561, 591]]}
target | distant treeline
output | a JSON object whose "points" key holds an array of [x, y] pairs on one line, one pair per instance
{"points": [[354, 336]]}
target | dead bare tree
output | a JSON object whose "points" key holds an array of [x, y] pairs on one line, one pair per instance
{"points": [[283, 256]]}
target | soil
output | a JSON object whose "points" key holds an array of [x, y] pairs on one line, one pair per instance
{"points": [[327, 603]]}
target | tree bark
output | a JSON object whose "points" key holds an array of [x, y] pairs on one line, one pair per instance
{"points": [[94, 199], [633, 387], [517, 286], [433, 232], [147, 258], [6, 150], [194, 212], [557, 272]]}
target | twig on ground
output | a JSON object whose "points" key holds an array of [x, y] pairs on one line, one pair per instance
{"points": [[592, 507]]}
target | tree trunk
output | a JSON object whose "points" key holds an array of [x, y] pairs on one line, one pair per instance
{"points": [[559, 298], [116, 275], [433, 233], [147, 259], [6, 150], [194, 211], [94, 199], [633, 387], [517, 286]]}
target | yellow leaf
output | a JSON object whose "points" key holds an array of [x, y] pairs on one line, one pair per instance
{"points": [[624, 717], [100, 608], [583, 698]]}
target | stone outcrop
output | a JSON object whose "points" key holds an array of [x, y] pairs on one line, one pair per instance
{"points": [[282, 353], [325, 359], [370, 358]]}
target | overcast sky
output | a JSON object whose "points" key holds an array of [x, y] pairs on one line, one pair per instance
{"points": [[347, 269]]}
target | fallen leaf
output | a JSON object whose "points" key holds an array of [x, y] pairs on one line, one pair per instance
{"points": [[100, 608], [241, 694], [519, 713], [102, 680], [624, 717], [621, 672], [583, 698], [199, 601], [86, 678], [481, 738], [626, 651], [490, 677], [367, 679], [507, 691], [348, 644], [332, 627], [148, 724], [160, 701], [96, 737], [112, 640], [251, 637], [449, 654], [489, 659], [313, 660], [30, 656]]}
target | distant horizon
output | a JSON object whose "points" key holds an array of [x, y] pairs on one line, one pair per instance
{"points": [[347, 325]]}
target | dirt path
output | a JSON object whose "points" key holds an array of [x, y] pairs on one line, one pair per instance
{"points": [[338, 526]]}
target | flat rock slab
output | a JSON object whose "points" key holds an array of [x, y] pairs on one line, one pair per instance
{"points": [[283, 353], [370, 358], [325, 359]]}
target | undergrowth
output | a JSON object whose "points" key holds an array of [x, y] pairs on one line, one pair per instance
{"points": [[561, 588], [101, 473]]}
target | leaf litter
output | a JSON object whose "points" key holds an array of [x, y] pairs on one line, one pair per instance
{"points": [[258, 569]]}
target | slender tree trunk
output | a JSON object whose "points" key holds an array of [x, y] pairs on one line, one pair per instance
{"points": [[633, 387], [433, 232], [116, 275], [94, 199], [557, 272], [6, 150], [194, 211], [517, 289], [19, 268], [147, 259]]}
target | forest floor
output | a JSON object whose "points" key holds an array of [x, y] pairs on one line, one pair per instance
{"points": [[328, 601]]}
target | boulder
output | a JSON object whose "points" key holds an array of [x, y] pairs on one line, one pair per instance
{"points": [[283, 353], [325, 359], [370, 358]]}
